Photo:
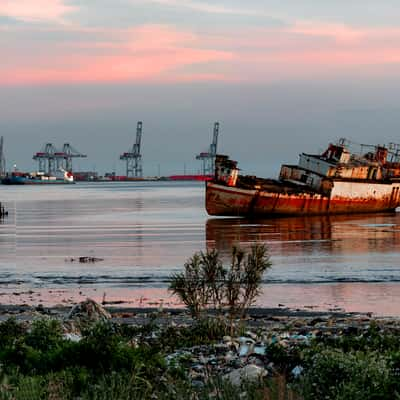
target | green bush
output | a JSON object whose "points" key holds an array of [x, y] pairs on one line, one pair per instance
{"points": [[10, 332], [43, 350], [44, 335], [203, 331], [336, 375], [285, 359], [371, 339]]}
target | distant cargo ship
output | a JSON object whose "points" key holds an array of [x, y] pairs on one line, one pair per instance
{"points": [[335, 182], [37, 178]]}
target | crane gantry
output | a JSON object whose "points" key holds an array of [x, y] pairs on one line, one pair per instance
{"points": [[208, 157], [51, 159], [133, 157]]}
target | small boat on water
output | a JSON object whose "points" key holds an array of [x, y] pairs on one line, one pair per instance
{"points": [[338, 181], [3, 212], [37, 178]]}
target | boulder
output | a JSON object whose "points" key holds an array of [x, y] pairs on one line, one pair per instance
{"points": [[88, 312], [250, 373]]}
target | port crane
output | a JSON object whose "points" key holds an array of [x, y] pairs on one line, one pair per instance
{"points": [[47, 158], [50, 158], [2, 159], [69, 153], [208, 157], [133, 158]]}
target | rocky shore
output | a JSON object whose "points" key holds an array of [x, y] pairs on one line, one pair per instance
{"points": [[232, 356], [158, 353]]}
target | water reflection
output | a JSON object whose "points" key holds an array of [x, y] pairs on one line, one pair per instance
{"points": [[345, 248], [338, 234], [7, 241], [145, 232], [345, 261]]}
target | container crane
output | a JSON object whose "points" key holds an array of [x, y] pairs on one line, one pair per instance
{"points": [[69, 153], [50, 158], [208, 157], [133, 157]]}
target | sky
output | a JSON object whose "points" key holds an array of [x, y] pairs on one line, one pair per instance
{"points": [[281, 77]]}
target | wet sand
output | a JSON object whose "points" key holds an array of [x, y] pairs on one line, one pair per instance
{"points": [[375, 298]]}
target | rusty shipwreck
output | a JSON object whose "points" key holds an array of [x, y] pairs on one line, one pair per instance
{"points": [[338, 181]]}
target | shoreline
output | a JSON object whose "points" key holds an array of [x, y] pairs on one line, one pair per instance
{"points": [[142, 315], [380, 300]]}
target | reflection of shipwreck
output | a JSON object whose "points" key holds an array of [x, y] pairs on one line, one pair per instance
{"points": [[339, 233], [337, 181], [223, 233]]}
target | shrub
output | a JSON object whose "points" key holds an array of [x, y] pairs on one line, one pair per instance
{"points": [[203, 331], [10, 331], [333, 374], [207, 284], [244, 277], [45, 334]]}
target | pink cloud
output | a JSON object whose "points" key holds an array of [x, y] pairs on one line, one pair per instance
{"points": [[210, 8], [307, 50], [160, 53], [150, 53], [314, 64], [35, 10], [339, 32], [352, 49]]}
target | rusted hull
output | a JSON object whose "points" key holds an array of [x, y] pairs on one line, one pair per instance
{"points": [[231, 201]]}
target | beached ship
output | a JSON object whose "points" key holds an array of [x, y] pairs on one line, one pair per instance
{"points": [[338, 181], [37, 178]]}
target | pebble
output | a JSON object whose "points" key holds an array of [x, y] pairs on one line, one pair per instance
{"points": [[234, 356]]}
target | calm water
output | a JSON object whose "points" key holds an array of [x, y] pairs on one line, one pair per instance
{"points": [[145, 231]]}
